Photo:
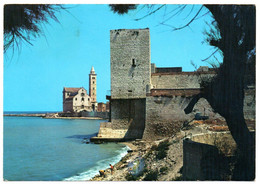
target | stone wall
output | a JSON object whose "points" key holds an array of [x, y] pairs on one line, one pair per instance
{"points": [[103, 115], [106, 131], [165, 115], [130, 63], [193, 153], [249, 104], [201, 158], [178, 80], [130, 115]]}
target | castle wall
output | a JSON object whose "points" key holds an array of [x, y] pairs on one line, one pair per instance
{"points": [[129, 114], [130, 63], [178, 80], [165, 114], [165, 111]]}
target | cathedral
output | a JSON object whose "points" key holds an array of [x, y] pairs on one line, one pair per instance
{"points": [[77, 99]]}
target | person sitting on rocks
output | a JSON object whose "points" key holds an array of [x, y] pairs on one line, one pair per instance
{"points": [[102, 173]]}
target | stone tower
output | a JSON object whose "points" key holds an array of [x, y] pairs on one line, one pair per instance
{"points": [[130, 63], [130, 79], [93, 85]]}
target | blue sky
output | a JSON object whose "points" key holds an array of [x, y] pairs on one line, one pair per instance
{"points": [[34, 76]]}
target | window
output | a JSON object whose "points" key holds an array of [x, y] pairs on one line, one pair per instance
{"points": [[93, 88], [93, 78], [82, 106], [82, 94], [76, 99], [93, 82], [88, 99], [93, 93], [82, 99], [134, 62]]}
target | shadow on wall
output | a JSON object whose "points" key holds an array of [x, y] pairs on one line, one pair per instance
{"points": [[136, 119]]}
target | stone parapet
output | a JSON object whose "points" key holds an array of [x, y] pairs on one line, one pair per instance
{"points": [[106, 131]]}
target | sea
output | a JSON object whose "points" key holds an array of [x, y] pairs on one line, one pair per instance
{"points": [[38, 149]]}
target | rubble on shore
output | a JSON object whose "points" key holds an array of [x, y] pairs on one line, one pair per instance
{"points": [[162, 159]]}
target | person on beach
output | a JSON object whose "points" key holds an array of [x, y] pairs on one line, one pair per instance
{"points": [[102, 173], [112, 169]]}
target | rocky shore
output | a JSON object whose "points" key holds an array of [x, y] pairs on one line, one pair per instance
{"points": [[160, 160], [164, 169]]}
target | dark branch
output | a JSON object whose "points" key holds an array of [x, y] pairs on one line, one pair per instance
{"points": [[210, 55], [150, 13], [175, 29], [192, 103]]}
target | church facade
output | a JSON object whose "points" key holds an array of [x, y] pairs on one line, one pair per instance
{"points": [[77, 99]]}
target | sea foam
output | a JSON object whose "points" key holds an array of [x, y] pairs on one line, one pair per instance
{"points": [[100, 165]]}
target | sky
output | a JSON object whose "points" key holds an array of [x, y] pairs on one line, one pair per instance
{"points": [[34, 75]]}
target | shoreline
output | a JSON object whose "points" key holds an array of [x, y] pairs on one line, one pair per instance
{"points": [[51, 117], [118, 165]]}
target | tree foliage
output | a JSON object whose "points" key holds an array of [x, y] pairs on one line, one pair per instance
{"points": [[122, 8], [22, 22]]}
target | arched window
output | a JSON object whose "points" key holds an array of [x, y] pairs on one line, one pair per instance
{"points": [[82, 99]]}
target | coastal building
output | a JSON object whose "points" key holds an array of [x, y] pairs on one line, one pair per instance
{"points": [[148, 102], [77, 99], [101, 107]]}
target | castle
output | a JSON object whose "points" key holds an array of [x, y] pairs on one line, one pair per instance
{"points": [[148, 102], [77, 99]]}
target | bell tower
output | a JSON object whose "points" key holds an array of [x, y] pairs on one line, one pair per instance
{"points": [[93, 85]]}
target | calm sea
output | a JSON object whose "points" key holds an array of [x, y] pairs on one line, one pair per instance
{"points": [[38, 149]]}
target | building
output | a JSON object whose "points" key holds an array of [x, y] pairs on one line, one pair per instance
{"points": [[148, 102], [101, 107], [77, 99]]}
